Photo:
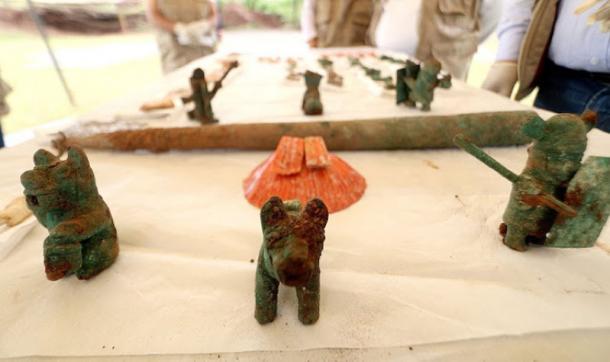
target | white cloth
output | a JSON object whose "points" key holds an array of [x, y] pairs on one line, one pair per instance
{"points": [[409, 272]]}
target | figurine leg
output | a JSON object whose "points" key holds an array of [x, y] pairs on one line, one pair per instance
{"points": [[61, 259], [266, 295], [97, 256], [309, 300], [515, 239]]}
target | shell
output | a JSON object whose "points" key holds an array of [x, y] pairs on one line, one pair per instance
{"points": [[322, 175]]}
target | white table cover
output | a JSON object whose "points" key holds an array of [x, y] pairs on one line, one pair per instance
{"points": [[414, 271]]}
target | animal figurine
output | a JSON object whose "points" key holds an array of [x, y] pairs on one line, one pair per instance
{"points": [[64, 198], [537, 194], [290, 255], [410, 71], [312, 104], [421, 88]]}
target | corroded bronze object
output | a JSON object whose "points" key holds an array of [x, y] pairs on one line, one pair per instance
{"points": [[64, 198], [202, 97], [538, 193], [312, 104], [417, 83], [290, 255]]}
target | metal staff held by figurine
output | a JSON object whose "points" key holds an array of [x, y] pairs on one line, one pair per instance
{"points": [[544, 199]]}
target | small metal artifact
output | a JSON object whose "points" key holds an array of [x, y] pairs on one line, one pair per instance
{"points": [[420, 88], [290, 254], [312, 104], [64, 198], [536, 198], [374, 74], [410, 71], [293, 73], [332, 77], [202, 97], [589, 193]]}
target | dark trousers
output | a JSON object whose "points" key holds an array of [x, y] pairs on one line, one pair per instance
{"points": [[564, 90], [1, 137]]}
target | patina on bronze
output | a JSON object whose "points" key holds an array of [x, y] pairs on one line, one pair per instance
{"points": [[416, 83], [64, 198], [290, 255], [312, 104], [538, 193], [202, 97]]}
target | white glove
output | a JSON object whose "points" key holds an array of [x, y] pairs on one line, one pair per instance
{"points": [[501, 78], [196, 33]]}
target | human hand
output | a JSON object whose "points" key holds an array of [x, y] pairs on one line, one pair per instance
{"points": [[501, 78], [313, 42]]}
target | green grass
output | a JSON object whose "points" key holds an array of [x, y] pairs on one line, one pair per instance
{"points": [[38, 96]]}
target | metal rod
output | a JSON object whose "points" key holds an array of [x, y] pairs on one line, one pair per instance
{"points": [[43, 33]]}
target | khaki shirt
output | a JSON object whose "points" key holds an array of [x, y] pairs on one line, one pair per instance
{"points": [[173, 54], [449, 31], [341, 23]]}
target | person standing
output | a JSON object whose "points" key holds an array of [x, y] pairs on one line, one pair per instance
{"points": [[186, 30], [447, 30], [560, 46], [5, 89], [336, 23]]}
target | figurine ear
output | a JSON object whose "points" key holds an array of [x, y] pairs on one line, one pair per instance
{"points": [[316, 212], [44, 158], [534, 128], [273, 212], [78, 157], [590, 119]]}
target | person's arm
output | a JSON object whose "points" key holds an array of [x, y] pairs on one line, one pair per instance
{"points": [[308, 23], [516, 17], [157, 19]]}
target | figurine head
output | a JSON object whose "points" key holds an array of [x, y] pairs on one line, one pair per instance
{"points": [[56, 189], [559, 143], [293, 238]]}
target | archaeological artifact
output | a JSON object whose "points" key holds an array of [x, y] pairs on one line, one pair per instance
{"points": [[293, 239], [538, 200], [64, 198], [202, 97], [312, 104], [397, 133], [418, 82], [303, 169]]}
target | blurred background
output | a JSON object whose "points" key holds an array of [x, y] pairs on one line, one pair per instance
{"points": [[106, 49]]}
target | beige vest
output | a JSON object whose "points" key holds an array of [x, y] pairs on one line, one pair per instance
{"points": [[448, 31], [535, 45], [5, 89], [173, 54], [342, 23]]}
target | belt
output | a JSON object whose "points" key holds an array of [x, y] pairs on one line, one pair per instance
{"points": [[599, 77]]}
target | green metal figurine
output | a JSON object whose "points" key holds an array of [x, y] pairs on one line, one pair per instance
{"points": [[64, 198], [312, 104], [290, 254], [589, 193], [374, 74], [202, 97], [536, 198], [420, 83]]}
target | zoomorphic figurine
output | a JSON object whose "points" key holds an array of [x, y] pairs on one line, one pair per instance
{"points": [[290, 255], [538, 192], [312, 104], [422, 84], [64, 198]]}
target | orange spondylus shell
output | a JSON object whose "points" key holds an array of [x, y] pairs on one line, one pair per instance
{"points": [[302, 170]]}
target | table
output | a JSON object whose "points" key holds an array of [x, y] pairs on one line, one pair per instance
{"points": [[415, 270]]}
